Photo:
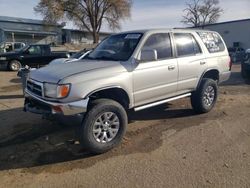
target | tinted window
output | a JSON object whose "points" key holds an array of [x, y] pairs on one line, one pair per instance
{"points": [[212, 41], [35, 50], [18, 45], [161, 43], [186, 44]]}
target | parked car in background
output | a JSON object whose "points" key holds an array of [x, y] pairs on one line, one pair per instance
{"points": [[245, 65], [11, 46], [237, 54], [130, 71], [31, 55], [77, 56]]}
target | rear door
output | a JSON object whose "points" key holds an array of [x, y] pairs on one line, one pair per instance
{"points": [[156, 80], [191, 61]]}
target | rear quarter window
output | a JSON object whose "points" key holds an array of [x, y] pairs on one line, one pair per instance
{"points": [[212, 41]]}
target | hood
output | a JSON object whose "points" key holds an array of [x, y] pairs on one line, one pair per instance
{"points": [[56, 72], [7, 54], [60, 61]]}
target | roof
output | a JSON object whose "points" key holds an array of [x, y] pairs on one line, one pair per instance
{"points": [[228, 22], [29, 31], [25, 20], [77, 30], [166, 30]]}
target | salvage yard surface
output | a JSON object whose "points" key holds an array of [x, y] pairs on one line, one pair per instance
{"points": [[166, 146]]}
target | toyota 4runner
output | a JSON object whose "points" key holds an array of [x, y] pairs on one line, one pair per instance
{"points": [[131, 70]]}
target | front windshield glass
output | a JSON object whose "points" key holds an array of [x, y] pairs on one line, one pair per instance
{"points": [[23, 48], [116, 47]]}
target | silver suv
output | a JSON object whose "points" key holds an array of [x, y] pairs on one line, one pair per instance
{"points": [[131, 70]]}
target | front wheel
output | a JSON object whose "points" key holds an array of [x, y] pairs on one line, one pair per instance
{"points": [[205, 97], [103, 126], [14, 65]]}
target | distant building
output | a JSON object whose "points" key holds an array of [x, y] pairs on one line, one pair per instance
{"points": [[28, 31], [76, 36], [36, 31], [235, 33]]}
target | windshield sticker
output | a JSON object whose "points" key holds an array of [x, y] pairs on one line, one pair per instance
{"points": [[133, 36]]}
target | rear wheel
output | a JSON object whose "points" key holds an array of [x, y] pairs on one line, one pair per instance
{"points": [[204, 99], [14, 65], [103, 126]]}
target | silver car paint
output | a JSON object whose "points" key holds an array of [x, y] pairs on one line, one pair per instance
{"points": [[143, 82]]}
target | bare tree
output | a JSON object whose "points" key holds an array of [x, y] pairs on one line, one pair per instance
{"points": [[201, 12], [86, 14]]}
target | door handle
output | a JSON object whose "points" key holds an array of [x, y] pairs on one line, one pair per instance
{"points": [[171, 67], [203, 62]]}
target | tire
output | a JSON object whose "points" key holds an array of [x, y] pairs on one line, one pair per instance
{"points": [[244, 73], [205, 97], [95, 134], [14, 65]]}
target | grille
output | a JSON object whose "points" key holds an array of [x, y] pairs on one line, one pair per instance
{"points": [[34, 88]]}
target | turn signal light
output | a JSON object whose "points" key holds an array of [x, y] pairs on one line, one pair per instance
{"points": [[63, 91]]}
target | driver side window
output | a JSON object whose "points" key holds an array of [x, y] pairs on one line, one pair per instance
{"points": [[161, 44], [34, 50]]}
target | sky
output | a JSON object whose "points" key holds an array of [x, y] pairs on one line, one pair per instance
{"points": [[144, 14]]}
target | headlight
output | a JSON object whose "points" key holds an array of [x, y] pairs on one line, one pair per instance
{"points": [[3, 58], [56, 91]]}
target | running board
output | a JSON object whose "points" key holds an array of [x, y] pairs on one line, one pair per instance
{"points": [[161, 102]]}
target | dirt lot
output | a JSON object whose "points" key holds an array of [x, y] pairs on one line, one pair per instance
{"points": [[167, 146]]}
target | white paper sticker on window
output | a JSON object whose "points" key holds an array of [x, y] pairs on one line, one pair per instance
{"points": [[133, 36]]}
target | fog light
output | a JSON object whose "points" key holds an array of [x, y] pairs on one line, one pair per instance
{"points": [[57, 109]]}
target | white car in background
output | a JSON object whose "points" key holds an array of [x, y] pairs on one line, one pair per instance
{"points": [[77, 56]]}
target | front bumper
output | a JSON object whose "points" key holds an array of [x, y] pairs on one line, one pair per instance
{"points": [[37, 105], [224, 76]]}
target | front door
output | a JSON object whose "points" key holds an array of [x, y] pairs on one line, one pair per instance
{"points": [[32, 56], [157, 79]]}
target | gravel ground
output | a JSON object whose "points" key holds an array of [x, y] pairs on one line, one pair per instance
{"points": [[166, 146]]}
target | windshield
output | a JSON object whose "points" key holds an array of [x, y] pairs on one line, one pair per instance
{"points": [[116, 47], [23, 48]]}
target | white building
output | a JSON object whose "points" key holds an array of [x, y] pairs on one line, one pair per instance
{"points": [[235, 33]]}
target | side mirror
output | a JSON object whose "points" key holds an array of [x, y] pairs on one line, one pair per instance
{"points": [[148, 55]]}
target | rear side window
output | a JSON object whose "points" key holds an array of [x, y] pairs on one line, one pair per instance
{"points": [[212, 41], [186, 44], [161, 43]]}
